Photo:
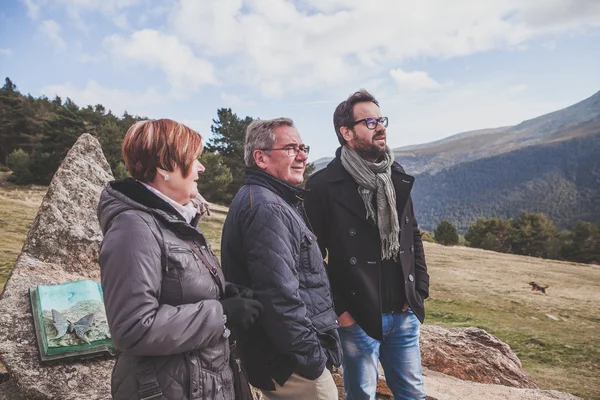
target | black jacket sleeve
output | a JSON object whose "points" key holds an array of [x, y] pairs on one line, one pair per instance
{"points": [[272, 250]]}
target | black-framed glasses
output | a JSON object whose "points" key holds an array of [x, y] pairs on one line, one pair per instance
{"points": [[372, 122], [294, 150]]}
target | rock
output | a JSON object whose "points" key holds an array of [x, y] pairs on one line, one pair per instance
{"points": [[65, 230], [62, 245], [472, 354], [439, 386]]}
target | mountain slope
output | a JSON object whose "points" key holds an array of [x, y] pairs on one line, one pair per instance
{"points": [[578, 120], [561, 180]]}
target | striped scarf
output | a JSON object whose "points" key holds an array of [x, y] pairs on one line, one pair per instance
{"points": [[375, 179]]}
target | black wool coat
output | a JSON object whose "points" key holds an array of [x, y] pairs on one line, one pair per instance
{"points": [[338, 217]]}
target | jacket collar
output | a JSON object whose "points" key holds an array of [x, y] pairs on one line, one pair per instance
{"points": [[347, 192], [287, 192], [138, 193]]}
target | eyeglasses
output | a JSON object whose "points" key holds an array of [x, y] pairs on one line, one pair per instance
{"points": [[293, 151], [372, 122]]}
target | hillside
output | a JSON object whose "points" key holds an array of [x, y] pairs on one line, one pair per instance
{"points": [[561, 180], [575, 121]]}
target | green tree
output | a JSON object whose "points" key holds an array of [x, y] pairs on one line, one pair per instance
{"points": [[491, 234], [215, 180], [535, 235], [229, 133], [120, 171], [18, 125], [60, 134], [446, 234], [583, 244], [18, 162]]}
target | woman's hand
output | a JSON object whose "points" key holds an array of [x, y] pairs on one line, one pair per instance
{"points": [[241, 313]]}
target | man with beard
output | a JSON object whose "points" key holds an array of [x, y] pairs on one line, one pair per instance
{"points": [[361, 211]]}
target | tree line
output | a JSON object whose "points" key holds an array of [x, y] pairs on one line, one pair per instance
{"points": [[37, 133], [530, 235]]}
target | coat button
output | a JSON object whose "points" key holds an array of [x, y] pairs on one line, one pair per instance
{"points": [[406, 220], [411, 278], [352, 232], [353, 260], [412, 248]]}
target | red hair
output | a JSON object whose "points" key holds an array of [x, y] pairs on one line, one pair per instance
{"points": [[161, 143]]}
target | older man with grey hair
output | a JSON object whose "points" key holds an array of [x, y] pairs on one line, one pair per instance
{"points": [[268, 245]]}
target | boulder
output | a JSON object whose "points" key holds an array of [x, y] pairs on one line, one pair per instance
{"points": [[439, 386], [62, 245], [472, 354]]}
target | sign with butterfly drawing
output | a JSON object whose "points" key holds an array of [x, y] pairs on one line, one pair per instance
{"points": [[70, 320]]}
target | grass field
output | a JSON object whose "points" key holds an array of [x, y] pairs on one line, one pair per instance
{"points": [[18, 207], [469, 287]]}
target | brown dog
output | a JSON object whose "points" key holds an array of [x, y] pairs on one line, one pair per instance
{"points": [[535, 287]]}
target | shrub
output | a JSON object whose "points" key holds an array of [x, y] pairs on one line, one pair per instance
{"points": [[18, 162], [446, 234]]}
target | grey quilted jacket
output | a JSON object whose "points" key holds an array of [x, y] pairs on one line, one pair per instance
{"points": [[268, 246], [162, 300]]}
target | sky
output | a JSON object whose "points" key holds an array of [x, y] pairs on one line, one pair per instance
{"points": [[437, 67]]}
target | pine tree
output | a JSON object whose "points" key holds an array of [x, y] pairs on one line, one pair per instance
{"points": [[229, 133], [446, 234], [215, 180], [60, 134], [18, 125]]}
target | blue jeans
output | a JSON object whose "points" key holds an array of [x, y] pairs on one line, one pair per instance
{"points": [[399, 354]]}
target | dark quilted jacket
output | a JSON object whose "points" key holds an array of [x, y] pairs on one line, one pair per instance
{"points": [[268, 246], [161, 300]]}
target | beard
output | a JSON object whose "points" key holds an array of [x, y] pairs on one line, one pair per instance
{"points": [[369, 151]]}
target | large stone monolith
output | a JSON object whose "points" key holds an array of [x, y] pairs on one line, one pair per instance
{"points": [[61, 246]]}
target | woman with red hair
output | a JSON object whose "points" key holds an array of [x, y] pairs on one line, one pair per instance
{"points": [[168, 307]]}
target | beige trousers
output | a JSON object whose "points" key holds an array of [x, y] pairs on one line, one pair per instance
{"points": [[299, 388]]}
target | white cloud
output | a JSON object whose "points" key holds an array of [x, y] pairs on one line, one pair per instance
{"points": [[517, 88], [5, 52], [50, 29], [184, 71], [116, 100], [85, 58], [233, 101], [279, 46], [33, 8], [413, 81]]}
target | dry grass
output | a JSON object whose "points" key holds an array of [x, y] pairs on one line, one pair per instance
{"points": [[472, 287], [18, 207], [469, 287]]}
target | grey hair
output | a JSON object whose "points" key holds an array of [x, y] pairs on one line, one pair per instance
{"points": [[260, 134]]}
